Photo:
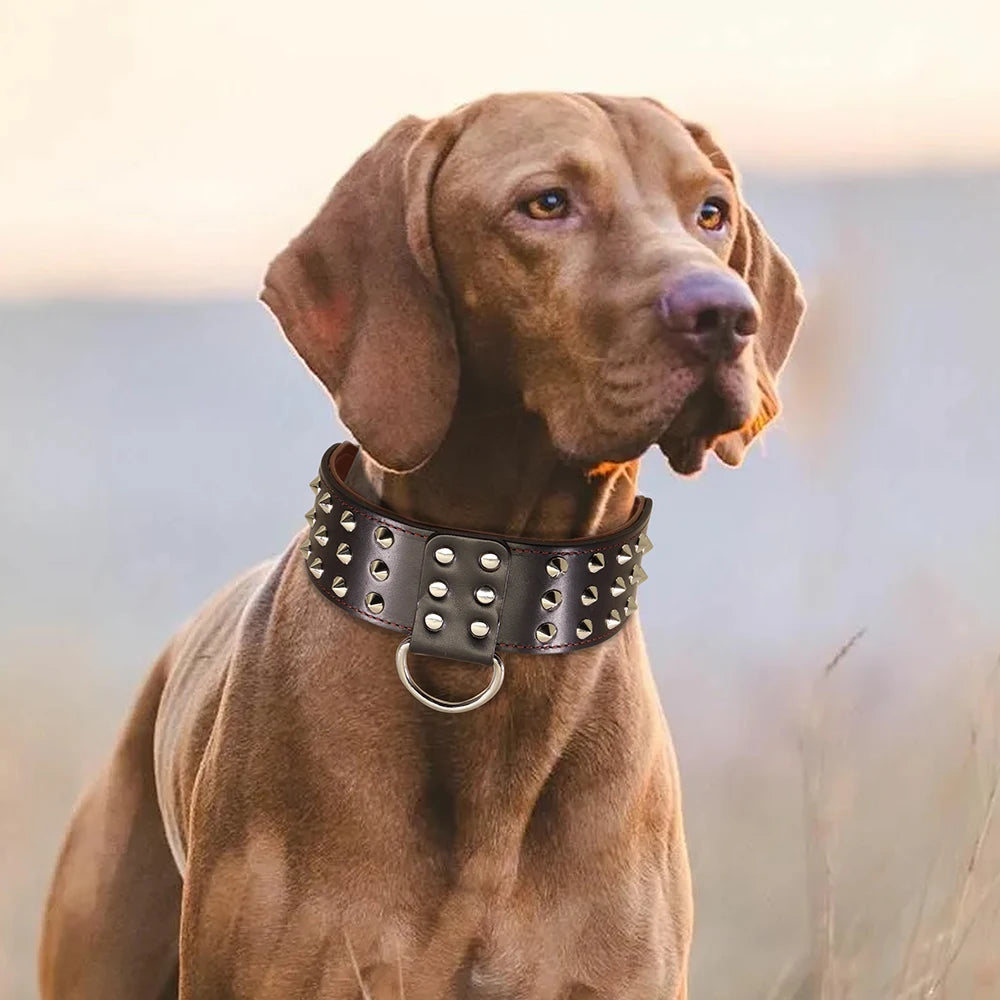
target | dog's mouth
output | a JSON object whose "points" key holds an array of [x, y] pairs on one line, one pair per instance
{"points": [[705, 416]]}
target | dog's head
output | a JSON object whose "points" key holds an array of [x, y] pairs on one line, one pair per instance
{"points": [[591, 255]]}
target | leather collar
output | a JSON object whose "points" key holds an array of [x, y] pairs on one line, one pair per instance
{"points": [[466, 595]]}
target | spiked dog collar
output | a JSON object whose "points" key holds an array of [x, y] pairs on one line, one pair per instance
{"points": [[468, 595]]}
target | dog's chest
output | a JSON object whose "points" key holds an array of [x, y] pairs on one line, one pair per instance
{"points": [[491, 980], [505, 974], [508, 953], [516, 954]]}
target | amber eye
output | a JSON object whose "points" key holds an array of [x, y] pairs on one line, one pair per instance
{"points": [[551, 204], [713, 214]]}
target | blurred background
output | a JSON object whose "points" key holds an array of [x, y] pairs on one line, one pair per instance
{"points": [[158, 435]]}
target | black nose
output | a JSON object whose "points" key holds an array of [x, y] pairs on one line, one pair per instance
{"points": [[714, 311]]}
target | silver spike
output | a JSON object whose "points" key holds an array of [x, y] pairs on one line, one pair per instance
{"points": [[556, 566], [305, 548], [489, 561], [640, 575], [588, 596], [347, 521], [618, 587], [596, 562], [644, 545], [339, 586], [325, 502], [320, 535], [315, 484], [479, 630], [374, 602], [614, 618], [384, 536], [585, 629], [485, 595], [344, 553], [545, 632], [311, 516], [624, 554], [444, 556], [630, 605], [379, 570], [437, 588], [316, 568], [551, 600], [434, 622]]}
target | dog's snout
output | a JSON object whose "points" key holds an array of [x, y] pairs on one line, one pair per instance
{"points": [[712, 310]]}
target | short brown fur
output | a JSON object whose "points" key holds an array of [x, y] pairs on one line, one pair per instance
{"points": [[340, 839]]}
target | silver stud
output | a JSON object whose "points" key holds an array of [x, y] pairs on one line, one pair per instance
{"points": [[489, 561], [374, 602], [316, 568], [384, 537], [596, 562], [624, 554], [379, 570], [437, 588], [643, 544], [614, 619], [444, 556], [347, 521], [630, 605], [479, 629], [556, 566], [325, 502], [344, 553], [485, 595], [433, 622], [311, 516], [585, 629], [339, 586], [314, 485], [545, 632], [588, 596], [320, 535], [618, 587], [551, 600], [304, 548], [640, 575]]}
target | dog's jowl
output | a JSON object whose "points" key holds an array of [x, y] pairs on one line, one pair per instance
{"points": [[421, 753]]}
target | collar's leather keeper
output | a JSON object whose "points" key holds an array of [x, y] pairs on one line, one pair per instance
{"points": [[465, 595], [471, 575]]}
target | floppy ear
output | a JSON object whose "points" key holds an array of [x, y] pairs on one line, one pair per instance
{"points": [[773, 280], [358, 296]]}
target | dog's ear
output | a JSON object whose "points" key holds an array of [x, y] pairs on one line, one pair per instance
{"points": [[358, 296], [757, 259]]}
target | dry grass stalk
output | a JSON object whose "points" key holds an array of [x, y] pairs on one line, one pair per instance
{"points": [[935, 942]]}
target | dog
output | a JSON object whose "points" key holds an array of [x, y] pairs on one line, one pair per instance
{"points": [[509, 305]]}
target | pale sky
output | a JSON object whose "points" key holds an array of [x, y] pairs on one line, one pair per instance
{"points": [[152, 147]]}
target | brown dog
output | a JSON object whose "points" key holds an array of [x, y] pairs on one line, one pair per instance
{"points": [[509, 305]]}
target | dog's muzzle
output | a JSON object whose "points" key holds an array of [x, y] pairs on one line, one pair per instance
{"points": [[466, 595]]}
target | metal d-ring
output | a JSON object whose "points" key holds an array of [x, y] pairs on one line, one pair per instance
{"points": [[439, 704]]}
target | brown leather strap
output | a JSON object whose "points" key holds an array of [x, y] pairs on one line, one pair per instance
{"points": [[465, 595]]}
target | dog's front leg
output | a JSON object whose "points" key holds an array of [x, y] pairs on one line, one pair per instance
{"points": [[252, 928]]}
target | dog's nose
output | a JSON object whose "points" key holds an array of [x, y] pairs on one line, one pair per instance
{"points": [[713, 311]]}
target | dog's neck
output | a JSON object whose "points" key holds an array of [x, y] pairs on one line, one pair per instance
{"points": [[498, 471]]}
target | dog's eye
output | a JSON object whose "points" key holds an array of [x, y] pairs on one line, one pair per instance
{"points": [[550, 204], [713, 214]]}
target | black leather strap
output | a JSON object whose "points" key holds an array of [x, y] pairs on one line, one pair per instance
{"points": [[465, 595]]}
